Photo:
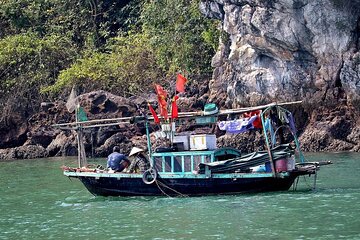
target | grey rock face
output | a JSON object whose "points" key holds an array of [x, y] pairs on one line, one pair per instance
{"points": [[286, 50], [23, 152], [42, 140]]}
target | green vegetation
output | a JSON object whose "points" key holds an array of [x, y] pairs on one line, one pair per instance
{"points": [[129, 65], [28, 63], [47, 46], [180, 36]]}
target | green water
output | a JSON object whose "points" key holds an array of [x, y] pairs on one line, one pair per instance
{"points": [[38, 202]]}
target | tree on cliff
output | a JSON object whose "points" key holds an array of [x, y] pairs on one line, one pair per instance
{"points": [[47, 46], [173, 36], [39, 39], [27, 63]]}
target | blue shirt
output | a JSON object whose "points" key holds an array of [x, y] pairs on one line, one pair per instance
{"points": [[115, 161]]}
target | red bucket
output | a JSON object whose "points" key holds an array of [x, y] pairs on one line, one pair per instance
{"points": [[281, 165]]}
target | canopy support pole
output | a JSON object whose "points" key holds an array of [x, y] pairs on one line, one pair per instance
{"points": [[149, 142], [81, 148], [267, 143]]}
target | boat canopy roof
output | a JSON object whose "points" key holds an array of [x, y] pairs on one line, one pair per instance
{"points": [[182, 115]]}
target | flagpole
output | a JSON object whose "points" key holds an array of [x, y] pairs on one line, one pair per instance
{"points": [[172, 120]]}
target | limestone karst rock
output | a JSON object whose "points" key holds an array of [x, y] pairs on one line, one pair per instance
{"points": [[286, 49]]}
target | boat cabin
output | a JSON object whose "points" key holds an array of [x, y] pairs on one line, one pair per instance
{"points": [[187, 162]]}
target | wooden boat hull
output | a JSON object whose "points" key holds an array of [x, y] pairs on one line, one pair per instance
{"points": [[184, 186]]}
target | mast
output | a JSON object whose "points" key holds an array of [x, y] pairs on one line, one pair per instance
{"points": [[148, 142], [268, 148], [82, 161]]}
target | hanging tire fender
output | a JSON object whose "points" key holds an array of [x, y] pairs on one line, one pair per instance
{"points": [[149, 176]]}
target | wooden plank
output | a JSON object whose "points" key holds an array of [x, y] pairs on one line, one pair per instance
{"points": [[183, 163], [94, 121], [192, 163], [163, 164], [172, 164], [187, 153], [182, 115]]}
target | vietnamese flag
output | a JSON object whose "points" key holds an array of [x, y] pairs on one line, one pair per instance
{"points": [[162, 101], [174, 108], [163, 111], [180, 83], [162, 94], [156, 118], [160, 91]]}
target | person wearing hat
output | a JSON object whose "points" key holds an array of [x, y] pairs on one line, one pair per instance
{"points": [[117, 161], [140, 163]]}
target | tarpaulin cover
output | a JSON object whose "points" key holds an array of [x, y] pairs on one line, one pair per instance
{"points": [[241, 164]]}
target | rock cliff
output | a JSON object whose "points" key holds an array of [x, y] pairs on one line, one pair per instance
{"points": [[270, 50], [283, 50], [43, 140]]}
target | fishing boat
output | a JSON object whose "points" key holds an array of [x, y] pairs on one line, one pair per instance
{"points": [[193, 165]]}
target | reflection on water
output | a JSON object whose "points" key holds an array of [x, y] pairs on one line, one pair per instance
{"points": [[38, 202]]}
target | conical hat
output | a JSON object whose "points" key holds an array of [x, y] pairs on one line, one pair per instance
{"points": [[135, 150]]}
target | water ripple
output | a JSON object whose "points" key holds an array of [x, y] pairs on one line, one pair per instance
{"points": [[42, 204]]}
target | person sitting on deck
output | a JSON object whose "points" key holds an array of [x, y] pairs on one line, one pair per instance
{"points": [[117, 161], [140, 163]]}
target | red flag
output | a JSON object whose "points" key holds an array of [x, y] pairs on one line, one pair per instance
{"points": [[156, 118], [162, 101], [160, 91], [163, 111], [174, 108], [257, 122], [180, 83], [162, 94]]}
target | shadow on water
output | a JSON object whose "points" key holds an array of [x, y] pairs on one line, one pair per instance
{"points": [[84, 197], [81, 198], [39, 202]]}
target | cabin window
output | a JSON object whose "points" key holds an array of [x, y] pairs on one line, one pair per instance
{"points": [[173, 163]]}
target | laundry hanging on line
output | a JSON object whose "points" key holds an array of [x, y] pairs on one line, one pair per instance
{"points": [[238, 125]]}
